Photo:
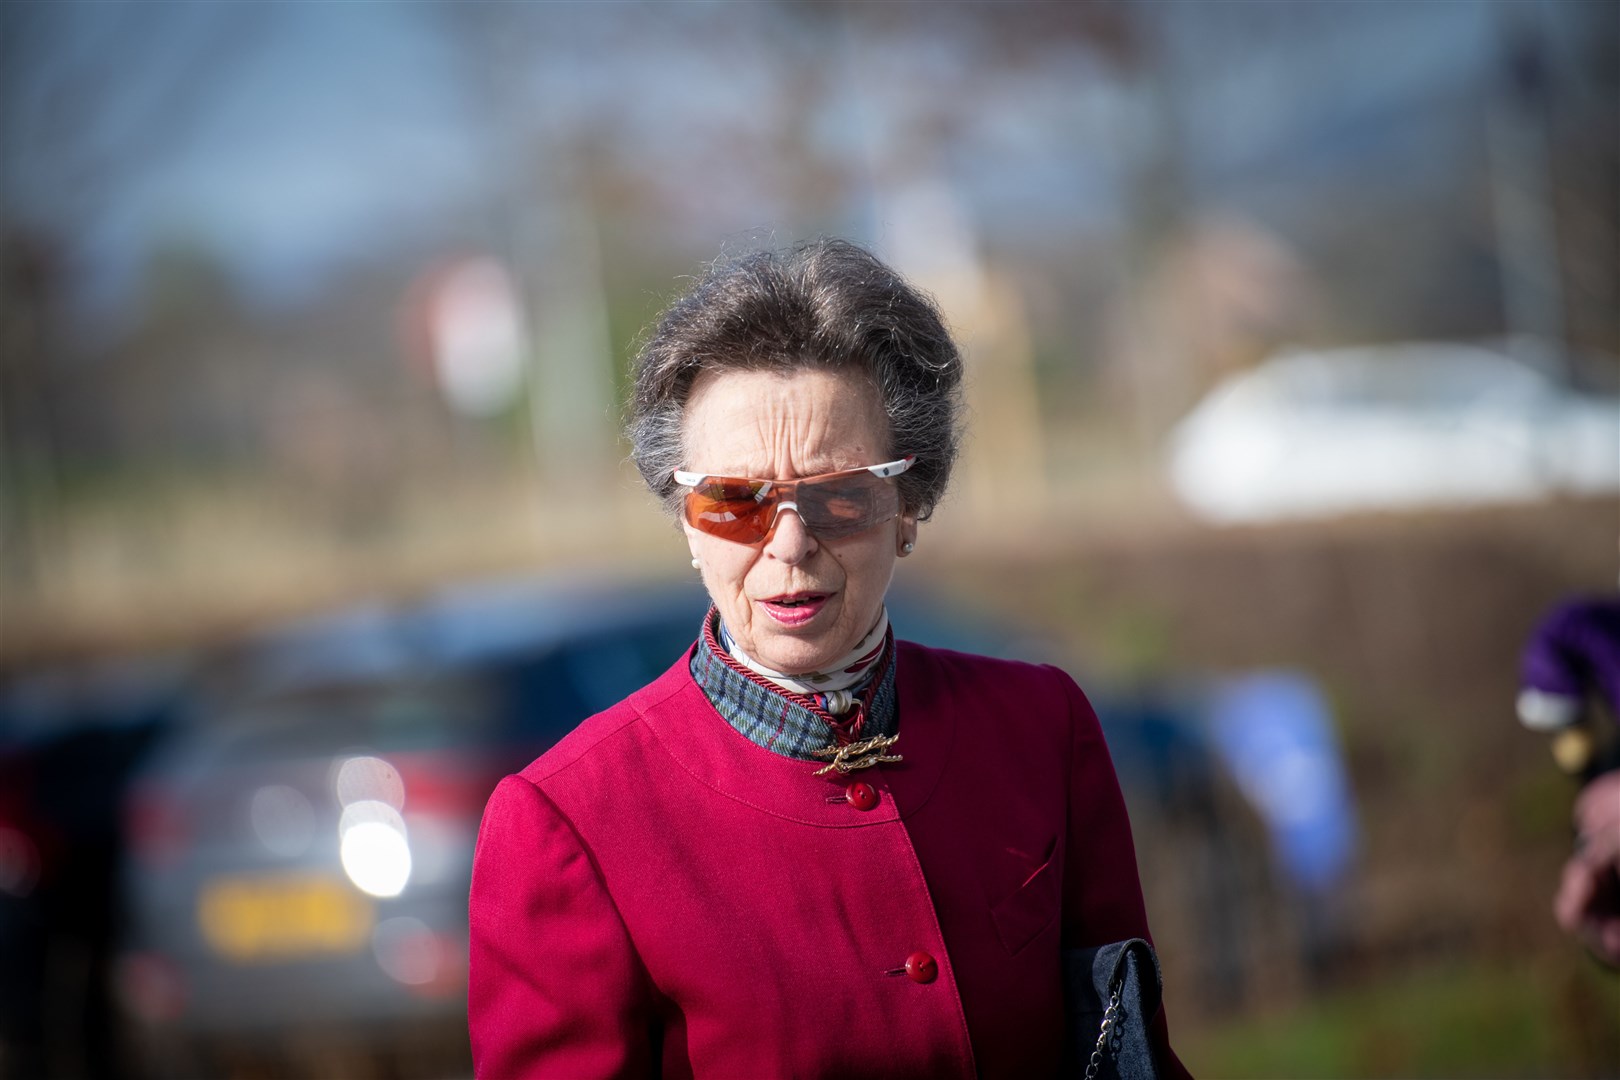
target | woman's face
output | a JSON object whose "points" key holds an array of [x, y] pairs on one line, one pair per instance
{"points": [[795, 603]]}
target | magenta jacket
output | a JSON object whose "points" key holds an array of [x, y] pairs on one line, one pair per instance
{"points": [[656, 895]]}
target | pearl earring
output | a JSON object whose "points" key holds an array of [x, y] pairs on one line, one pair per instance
{"points": [[907, 548], [696, 565]]}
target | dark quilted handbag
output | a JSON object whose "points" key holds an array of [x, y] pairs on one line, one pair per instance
{"points": [[1110, 993]]}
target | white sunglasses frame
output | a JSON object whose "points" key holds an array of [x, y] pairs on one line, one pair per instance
{"points": [[883, 471]]}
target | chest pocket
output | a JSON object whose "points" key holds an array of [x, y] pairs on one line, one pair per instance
{"points": [[1033, 907]]}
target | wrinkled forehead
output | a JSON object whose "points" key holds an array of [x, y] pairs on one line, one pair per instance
{"points": [[783, 425]]}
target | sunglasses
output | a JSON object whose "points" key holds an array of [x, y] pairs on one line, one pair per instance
{"points": [[831, 505]]}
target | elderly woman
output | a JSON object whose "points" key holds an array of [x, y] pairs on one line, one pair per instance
{"points": [[809, 848]]}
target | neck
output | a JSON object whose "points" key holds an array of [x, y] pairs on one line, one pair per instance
{"points": [[843, 673], [787, 722]]}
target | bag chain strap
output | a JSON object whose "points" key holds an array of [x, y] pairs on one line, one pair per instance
{"points": [[1110, 1033]]}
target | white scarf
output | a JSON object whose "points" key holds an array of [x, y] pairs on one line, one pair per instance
{"points": [[836, 685]]}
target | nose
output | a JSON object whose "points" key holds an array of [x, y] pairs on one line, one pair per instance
{"points": [[789, 541]]}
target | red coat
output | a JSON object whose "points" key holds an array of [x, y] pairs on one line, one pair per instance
{"points": [[658, 894]]}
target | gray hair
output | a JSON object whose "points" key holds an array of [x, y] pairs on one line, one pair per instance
{"points": [[826, 304]]}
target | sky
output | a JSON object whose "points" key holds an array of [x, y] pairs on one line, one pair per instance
{"points": [[283, 137], [288, 139]]}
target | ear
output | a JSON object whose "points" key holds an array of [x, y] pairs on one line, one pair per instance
{"points": [[905, 535], [691, 539]]}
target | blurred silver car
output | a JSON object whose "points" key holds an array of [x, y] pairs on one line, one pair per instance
{"points": [[1313, 434], [300, 850], [300, 847]]}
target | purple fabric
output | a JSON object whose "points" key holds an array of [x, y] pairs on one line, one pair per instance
{"points": [[1575, 646]]}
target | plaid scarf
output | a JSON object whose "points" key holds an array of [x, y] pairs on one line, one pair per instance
{"points": [[786, 723]]}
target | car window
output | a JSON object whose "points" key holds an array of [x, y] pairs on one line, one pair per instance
{"points": [[398, 715]]}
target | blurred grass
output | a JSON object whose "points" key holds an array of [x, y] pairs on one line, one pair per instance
{"points": [[1466, 1020]]}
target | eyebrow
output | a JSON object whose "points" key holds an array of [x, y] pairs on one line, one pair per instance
{"points": [[825, 467]]}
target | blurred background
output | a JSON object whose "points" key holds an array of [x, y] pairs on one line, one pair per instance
{"points": [[1291, 330]]}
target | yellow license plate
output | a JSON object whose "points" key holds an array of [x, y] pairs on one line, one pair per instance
{"points": [[282, 917]]}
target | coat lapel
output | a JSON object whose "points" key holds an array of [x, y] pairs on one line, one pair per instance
{"points": [[713, 753]]}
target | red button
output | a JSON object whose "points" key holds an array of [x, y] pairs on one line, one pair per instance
{"points": [[920, 967], [862, 796]]}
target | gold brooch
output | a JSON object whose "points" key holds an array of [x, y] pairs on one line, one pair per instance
{"points": [[857, 755]]}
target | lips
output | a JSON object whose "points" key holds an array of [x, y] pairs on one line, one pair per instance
{"points": [[796, 608], [796, 598]]}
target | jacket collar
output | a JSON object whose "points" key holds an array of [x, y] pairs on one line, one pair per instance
{"points": [[713, 753], [784, 722]]}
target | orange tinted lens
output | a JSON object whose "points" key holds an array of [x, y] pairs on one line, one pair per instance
{"points": [[730, 509]]}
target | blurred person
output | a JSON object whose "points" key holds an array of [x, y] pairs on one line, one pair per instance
{"points": [[1573, 652], [1587, 904], [810, 848]]}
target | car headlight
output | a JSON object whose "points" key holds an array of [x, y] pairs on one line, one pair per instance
{"points": [[374, 849]]}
